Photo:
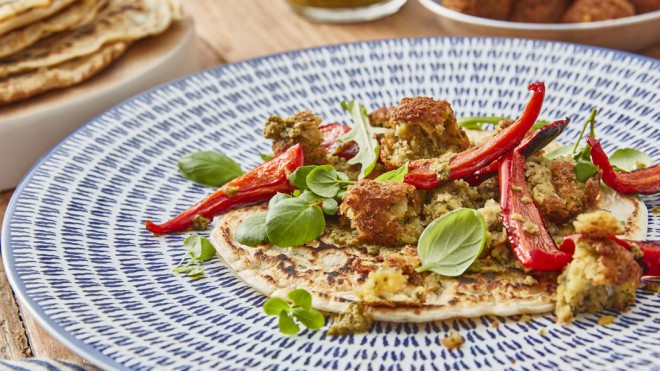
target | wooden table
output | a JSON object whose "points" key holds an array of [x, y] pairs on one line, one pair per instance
{"points": [[228, 31]]}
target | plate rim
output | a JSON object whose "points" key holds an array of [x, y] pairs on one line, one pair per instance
{"points": [[438, 9], [93, 355]]}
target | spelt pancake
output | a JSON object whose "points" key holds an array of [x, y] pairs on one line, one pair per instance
{"points": [[74, 16], [120, 20], [328, 271], [16, 14], [66, 74]]}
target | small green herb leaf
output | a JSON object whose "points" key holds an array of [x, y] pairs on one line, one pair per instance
{"points": [[584, 170], [395, 175], [277, 198], [301, 298], [310, 197], [363, 134], [451, 243], [274, 306], [199, 247], [298, 178], [293, 222], [196, 271], [324, 181], [478, 122], [209, 168], [266, 156], [330, 206], [253, 230], [310, 318], [628, 159], [286, 324], [566, 150]]}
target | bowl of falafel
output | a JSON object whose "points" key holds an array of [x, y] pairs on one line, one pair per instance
{"points": [[630, 25]]}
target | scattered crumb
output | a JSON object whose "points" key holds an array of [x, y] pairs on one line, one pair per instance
{"points": [[513, 361], [543, 332], [652, 288], [356, 319], [453, 340], [606, 320], [525, 318], [495, 324], [655, 210]]}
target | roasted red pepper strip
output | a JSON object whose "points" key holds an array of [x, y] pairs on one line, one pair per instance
{"points": [[530, 240], [331, 132], [467, 163], [530, 145], [645, 181], [258, 184]]}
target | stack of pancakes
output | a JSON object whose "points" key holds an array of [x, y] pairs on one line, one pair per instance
{"points": [[51, 44]]}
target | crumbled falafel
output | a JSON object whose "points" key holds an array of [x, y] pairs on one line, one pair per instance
{"points": [[385, 213], [646, 6], [559, 195], [421, 127], [303, 128], [380, 117]]}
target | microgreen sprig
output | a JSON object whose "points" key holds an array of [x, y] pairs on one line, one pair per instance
{"points": [[199, 250], [301, 310]]}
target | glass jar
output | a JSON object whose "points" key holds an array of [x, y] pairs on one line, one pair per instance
{"points": [[345, 11]]}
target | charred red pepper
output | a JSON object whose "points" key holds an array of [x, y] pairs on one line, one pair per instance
{"points": [[645, 181], [259, 184], [530, 240], [651, 260], [467, 163], [331, 132], [530, 145]]}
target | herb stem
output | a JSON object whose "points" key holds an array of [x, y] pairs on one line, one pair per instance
{"points": [[591, 120]]}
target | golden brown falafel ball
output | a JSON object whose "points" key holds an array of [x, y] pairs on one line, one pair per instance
{"points": [[494, 9], [538, 11], [421, 127], [303, 128], [646, 6], [384, 213], [597, 10]]}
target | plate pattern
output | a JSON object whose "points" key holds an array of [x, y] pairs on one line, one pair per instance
{"points": [[76, 251]]}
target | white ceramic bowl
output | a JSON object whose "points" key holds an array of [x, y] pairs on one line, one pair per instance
{"points": [[630, 33]]}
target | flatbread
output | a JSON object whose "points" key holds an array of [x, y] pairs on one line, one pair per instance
{"points": [[16, 14], [66, 74], [76, 15], [327, 271], [121, 20]]}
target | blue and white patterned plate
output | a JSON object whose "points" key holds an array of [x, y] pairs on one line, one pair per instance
{"points": [[78, 256]]}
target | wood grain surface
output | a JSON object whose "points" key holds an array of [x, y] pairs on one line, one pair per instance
{"points": [[227, 31]]}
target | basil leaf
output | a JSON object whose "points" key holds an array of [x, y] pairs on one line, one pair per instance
{"points": [[395, 175], [584, 170], [343, 177], [566, 150], [266, 156], [298, 178], [277, 198], [274, 306], [286, 324], [301, 298], [199, 248], [330, 206], [311, 318], [253, 230], [628, 159], [209, 168], [451, 243], [363, 134], [293, 222], [324, 181]]}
